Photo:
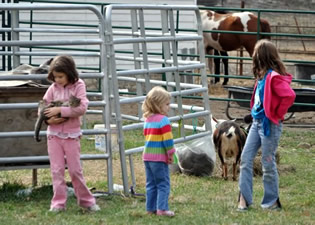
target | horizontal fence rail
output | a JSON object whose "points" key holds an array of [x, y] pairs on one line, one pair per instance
{"points": [[18, 47]]}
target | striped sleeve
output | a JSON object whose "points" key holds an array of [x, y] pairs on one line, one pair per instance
{"points": [[159, 144], [167, 136]]}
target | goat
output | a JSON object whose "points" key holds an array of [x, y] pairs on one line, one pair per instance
{"points": [[26, 69], [229, 139]]}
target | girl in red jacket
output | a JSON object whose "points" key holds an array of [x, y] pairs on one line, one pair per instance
{"points": [[271, 99], [63, 134]]}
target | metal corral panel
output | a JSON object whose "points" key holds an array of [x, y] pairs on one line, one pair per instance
{"points": [[152, 18], [20, 120]]}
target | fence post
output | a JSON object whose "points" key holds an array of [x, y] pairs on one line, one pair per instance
{"points": [[15, 37]]}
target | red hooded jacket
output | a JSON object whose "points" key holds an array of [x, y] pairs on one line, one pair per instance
{"points": [[278, 96]]}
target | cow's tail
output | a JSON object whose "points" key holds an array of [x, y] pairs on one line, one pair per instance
{"points": [[265, 28]]}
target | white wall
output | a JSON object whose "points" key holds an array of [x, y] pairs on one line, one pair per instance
{"points": [[152, 19]]}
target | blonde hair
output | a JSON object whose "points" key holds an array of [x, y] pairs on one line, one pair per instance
{"points": [[155, 98], [266, 57]]}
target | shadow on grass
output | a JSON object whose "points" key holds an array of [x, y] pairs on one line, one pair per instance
{"points": [[17, 192]]}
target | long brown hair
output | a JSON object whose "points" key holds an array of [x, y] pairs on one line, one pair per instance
{"points": [[155, 98], [63, 64], [266, 57]]}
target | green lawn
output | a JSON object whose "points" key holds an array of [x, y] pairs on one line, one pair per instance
{"points": [[206, 200]]}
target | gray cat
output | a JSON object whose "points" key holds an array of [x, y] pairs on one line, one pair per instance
{"points": [[73, 102]]}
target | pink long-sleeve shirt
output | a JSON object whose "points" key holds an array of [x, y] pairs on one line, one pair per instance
{"points": [[57, 92], [278, 96]]}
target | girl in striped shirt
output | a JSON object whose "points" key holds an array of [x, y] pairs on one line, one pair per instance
{"points": [[158, 150]]}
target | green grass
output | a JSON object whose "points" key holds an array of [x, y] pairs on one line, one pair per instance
{"points": [[196, 200]]}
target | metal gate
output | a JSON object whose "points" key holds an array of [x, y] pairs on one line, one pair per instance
{"points": [[165, 63], [24, 48]]}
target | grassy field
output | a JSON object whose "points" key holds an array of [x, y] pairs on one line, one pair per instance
{"points": [[196, 200]]}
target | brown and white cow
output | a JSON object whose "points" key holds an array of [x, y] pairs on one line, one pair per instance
{"points": [[239, 21], [223, 42]]}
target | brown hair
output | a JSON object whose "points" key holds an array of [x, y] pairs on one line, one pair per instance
{"points": [[63, 64], [155, 98], [266, 57]]}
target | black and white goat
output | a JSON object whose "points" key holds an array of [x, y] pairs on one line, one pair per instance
{"points": [[229, 139]]}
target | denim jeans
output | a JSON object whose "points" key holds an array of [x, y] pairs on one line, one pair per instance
{"points": [[269, 145], [157, 185]]}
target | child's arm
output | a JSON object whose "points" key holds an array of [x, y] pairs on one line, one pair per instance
{"points": [[168, 141], [287, 94], [51, 112], [81, 109], [55, 120]]}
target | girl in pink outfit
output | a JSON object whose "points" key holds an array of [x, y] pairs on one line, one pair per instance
{"points": [[63, 134]]}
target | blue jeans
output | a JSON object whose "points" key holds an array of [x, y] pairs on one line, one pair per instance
{"points": [[157, 185], [269, 145]]}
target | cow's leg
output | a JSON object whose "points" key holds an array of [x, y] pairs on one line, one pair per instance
{"points": [[226, 67], [216, 66], [209, 51]]}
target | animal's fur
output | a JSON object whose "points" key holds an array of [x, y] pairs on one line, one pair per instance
{"points": [[242, 21], [229, 140], [28, 69], [223, 42], [73, 102]]}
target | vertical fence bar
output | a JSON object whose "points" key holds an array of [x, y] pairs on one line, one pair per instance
{"points": [[174, 45], [15, 37], [110, 51]]}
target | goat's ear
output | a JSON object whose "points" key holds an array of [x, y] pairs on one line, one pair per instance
{"points": [[243, 136], [214, 119], [216, 136]]}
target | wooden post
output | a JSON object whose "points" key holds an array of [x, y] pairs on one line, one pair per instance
{"points": [[34, 177]]}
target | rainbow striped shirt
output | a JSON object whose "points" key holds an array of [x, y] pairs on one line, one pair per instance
{"points": [[159, 144]]}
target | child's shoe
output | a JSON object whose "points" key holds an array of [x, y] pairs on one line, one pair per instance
{"points": [[165, 213], [94, 208], [56, 210], [151, 212], [276, 206]]}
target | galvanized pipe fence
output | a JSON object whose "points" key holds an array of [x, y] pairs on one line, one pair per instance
{"points": [[146, 63], [146, 66], [97, 40], [259, 13]]}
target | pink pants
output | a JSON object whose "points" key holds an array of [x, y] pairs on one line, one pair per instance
{"points": [[57, 149]]}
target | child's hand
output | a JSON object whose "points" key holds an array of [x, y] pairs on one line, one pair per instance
{"points": [[55, 120], [170, 159], [54, 111]]}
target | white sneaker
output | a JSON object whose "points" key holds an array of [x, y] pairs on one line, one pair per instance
{"points": [[52, 209], [94, 208]]}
